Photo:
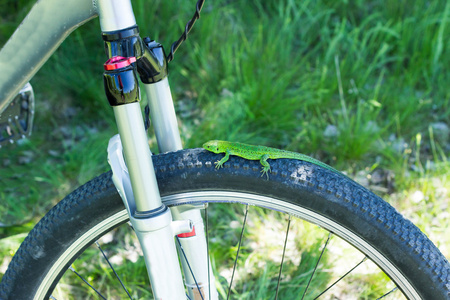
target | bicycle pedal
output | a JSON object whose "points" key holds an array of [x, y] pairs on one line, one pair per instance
{"points": [[16, 122]]}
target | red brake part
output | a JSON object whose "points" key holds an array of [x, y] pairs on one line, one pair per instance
{"points": [[118, 62], [187, 234]]}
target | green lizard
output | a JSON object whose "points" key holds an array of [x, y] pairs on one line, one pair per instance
{"points": [[260, 153]]}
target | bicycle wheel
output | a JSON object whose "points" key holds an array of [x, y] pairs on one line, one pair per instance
{"points": [[304, 193]]}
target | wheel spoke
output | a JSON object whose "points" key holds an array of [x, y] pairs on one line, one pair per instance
{"points": [[317, 264], [391, 291], [112, 268], [85, 281], [189, 266], [207, 249], [343, 276], [282, 258], [237, 253]]}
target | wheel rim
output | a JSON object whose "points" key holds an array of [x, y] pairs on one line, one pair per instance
{"points": [[241, 198]]}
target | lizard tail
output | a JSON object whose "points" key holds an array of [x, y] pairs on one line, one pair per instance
{"points": [[299, 156]]}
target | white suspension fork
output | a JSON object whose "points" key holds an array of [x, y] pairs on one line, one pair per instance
{"points": [[136, 182], [194, 254]]}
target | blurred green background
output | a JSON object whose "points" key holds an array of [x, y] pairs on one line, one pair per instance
{"points": [[360, 85]]}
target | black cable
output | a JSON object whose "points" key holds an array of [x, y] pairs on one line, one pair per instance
{"points": [[187, 29], [175, 47]]}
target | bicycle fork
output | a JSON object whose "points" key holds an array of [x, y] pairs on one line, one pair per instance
{"points": [[130, 158]]}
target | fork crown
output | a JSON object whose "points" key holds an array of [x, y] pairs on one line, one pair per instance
{"points": [[129, 55]]}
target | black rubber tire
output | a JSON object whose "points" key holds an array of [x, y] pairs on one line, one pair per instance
{"points": [[304, 184]]}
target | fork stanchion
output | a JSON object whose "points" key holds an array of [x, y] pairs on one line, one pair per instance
{"points": [[151, 219], [152, 69]]}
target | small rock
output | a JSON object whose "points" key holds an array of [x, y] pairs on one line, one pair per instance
{"points": [[361, 178], [6, 162], [92, 130], [331, 131], [378, 177], [107, 238], [417, 196], [70, 112], [53, 153], [116, 260], [372, 127], [430, 165], [26, 158], [226, 93], [22, 141], [234, 224], [398, 144], [441, 132], [66, 131]]}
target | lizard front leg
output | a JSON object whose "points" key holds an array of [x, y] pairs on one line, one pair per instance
{"points": [[220, 163], [265, 164]]}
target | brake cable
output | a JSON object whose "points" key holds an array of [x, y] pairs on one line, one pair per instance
{"points": [[187, 29], [174, 48]]}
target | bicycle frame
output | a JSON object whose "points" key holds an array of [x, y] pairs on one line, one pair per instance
{"points": [[44, 29]]}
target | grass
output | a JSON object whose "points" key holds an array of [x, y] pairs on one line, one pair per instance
{"points": [[361, 85]]}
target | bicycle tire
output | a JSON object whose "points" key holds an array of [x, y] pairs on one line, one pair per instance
{"points": [[292, 183]]}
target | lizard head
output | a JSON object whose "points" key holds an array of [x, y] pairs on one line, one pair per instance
{"points": [[212, 146]]}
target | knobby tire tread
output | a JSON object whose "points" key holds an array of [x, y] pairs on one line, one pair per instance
{"points": [[294, 181]]}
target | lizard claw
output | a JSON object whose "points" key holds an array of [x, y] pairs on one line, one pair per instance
{"points": [[265, 171], [218, 165]]}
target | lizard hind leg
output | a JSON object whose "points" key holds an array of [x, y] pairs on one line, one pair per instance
{"points": [[220, 163], [266, 167]]}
